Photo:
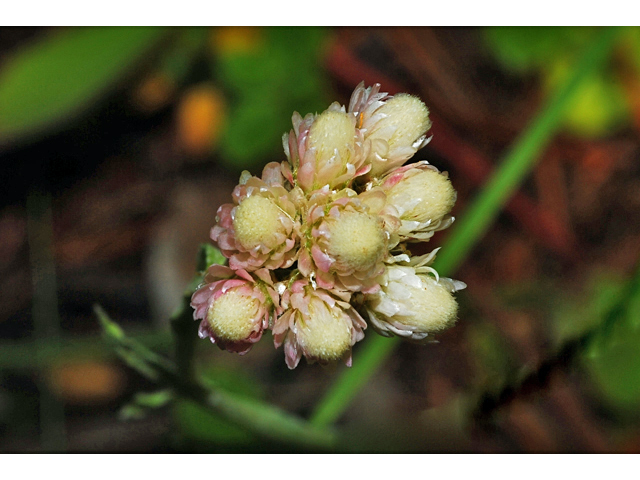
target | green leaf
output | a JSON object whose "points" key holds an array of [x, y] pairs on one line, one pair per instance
{"points": [[111, 329], [614, 362], [527, 49], [266, 85], [48, 83], [209, 255], [154, 399]]}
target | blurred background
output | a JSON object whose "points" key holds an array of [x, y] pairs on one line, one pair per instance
{"points": [[117, 145]]}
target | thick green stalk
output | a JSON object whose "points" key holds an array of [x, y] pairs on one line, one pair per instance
{"points": [[475, 221]]}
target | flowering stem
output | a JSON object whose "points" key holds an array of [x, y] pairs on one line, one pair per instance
{"points": [[517, 163], [265, 420], [185, 332]]}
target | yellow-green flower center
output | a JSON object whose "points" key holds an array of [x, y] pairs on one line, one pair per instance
{"points": [[256, 221], [427, 195], [232, 315], [326, 335], [410, 117], [332, 131], [356, 240], [434, 307]]}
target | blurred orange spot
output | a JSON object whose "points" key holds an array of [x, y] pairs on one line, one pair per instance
{"points": [[154, 92], [236, 39], [200, 118], [87, 382]]}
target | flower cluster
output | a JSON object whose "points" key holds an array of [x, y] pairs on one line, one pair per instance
{"points": [[319, 242]]}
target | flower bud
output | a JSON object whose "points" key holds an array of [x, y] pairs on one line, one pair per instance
{"points": [[406, 119], [234, 307], [233, 315], [395, 128], [332, 135], [348, 240], [356, 240], [259, 230], [412, 304], [423, 197], [257, 221], [324, 149], [319, 324], [325, 335]]}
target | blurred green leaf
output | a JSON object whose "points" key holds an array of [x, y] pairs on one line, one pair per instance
{"points": [[110, 328], [267, 83], [209, 255], [614, 361], [575, 315], [154, 399], [177, 59], [142, 402], [527, 49], [62, 75], [131, 412], [600, 105]]}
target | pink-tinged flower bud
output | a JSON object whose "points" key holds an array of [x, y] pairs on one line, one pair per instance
{"points": [[326, 149], [394, 128], [234, 307], [423, 198], [413, 302], [348, 241], [332, 135], [259, 230], [319, 324]]}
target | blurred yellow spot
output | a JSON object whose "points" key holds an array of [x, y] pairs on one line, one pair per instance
{"points": [[200, 117], [87, 382], [154, 92], [235, 39]]}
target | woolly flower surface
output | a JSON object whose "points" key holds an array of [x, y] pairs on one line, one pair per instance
{"points": [[259, 229], [234, 307], [413, 301], [319, 324], [423, 198], [347, 240], [321, 238], [324, 149], [394, 127]]}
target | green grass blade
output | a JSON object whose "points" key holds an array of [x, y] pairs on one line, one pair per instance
{"points": [[466, 233]]}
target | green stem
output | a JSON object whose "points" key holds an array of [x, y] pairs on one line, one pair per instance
{"points": [[46, 319], [475, 221], [265, 420], [185, 332]]}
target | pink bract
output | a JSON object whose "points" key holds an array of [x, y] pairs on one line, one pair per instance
{"points": [[220, 280]]}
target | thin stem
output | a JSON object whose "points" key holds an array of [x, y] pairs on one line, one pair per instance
{"points": [[185, 331], [46, 319], [265, 420], [466, 233]]}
